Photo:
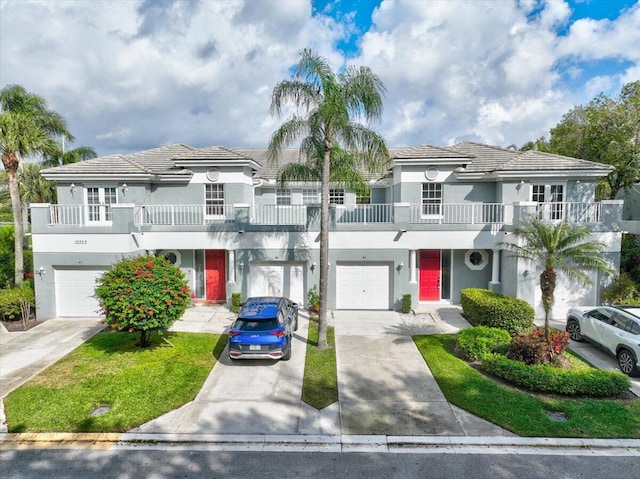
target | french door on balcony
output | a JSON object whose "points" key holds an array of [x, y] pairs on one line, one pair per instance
{"points": [[99, 201], [550, 199]]}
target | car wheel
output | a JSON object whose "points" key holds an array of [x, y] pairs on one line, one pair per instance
{"points": [[287, 353], [627, 362], [573, 328]]}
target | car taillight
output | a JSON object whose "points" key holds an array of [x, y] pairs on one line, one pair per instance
{"points": [[233, 333], [278, 333]]}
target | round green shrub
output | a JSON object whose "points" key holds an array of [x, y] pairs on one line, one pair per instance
{"points": [[483, 307], [547, 378], [143, 294], [474, 343]]}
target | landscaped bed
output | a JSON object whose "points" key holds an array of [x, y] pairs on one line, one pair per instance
{"points": [[110, 384], [320, 384], [523, 412]]}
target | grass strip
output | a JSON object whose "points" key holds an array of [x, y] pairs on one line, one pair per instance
{"points": [[320, 383], [524, 413], [109, 370]]}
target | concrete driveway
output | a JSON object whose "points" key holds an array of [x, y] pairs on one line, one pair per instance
{"points": [[385, 386]]}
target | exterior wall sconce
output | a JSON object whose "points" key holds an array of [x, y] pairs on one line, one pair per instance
{"points": [[72, 188], [313, 266], [124, 189], [525, 273], [241, 267], [400, 266], [41, 271], [520, 185]]}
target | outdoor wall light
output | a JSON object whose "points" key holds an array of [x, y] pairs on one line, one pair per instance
{"points": [[525, 273], [72, 188], [241, 267], [124, 188], [520, 185], [400, 266], [41, 271], [313, 266]]}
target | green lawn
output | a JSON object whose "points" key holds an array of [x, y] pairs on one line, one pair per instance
{"points": [[520, 412], [320, 384], [109, 370]]}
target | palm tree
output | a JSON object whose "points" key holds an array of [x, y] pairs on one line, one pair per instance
{"points": [[327, 105], [58, 156], [33, 187], [27, 128], [561, 247]]}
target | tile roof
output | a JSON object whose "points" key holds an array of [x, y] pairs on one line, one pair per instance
{"points": [[426, 152], [478, 158]]}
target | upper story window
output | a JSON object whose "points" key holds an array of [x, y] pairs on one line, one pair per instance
{"points": [[363, 197], [431, 199], [99, 201], [283, 196], [310, 196], [214, 199], [551, 198], [336, 196]]}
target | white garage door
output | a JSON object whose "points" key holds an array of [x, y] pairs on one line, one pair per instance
{"points": [[567, 294], [278, 279], [74, 292], [362, 285]]}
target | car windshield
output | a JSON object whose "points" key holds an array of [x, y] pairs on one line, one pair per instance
{"points": [[253, 325]]}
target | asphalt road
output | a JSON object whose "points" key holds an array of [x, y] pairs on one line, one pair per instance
{"points": [[154, 464]]}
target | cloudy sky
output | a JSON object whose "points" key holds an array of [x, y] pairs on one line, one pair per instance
{"points": [[135, 74]]}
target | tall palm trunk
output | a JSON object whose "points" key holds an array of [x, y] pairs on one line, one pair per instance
{"points": [[547, 286], [324, 248], [11, 162]]}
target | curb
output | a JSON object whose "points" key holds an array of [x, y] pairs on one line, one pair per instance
{"points": [[323, 443]]}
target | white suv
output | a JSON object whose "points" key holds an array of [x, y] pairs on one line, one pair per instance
{"points": [[615, 329]]}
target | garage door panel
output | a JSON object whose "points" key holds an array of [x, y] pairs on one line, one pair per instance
{"points": [[363, 285], [278, 279], [75, 289]]}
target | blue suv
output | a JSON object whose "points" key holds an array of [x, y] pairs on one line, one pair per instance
{"points": [[264, 329]]}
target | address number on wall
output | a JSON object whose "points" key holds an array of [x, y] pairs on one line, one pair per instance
{"points": [[80, 242]]}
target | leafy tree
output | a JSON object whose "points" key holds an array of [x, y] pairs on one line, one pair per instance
{"points": [[557, 247], [541, 144], [327, 106], [607, 130], [630, 257], [142, 294], [58, 156], [27, 128]]}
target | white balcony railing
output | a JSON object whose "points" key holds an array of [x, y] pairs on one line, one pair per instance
{"points": [[570, 212], [460, 213], [67, 215], [364, 214], [190, 215], [279, 214]]}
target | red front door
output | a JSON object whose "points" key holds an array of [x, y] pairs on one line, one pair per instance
{"points": [[430, 275], [215, 275]]}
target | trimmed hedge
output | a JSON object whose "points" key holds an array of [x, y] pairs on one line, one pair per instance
{"points": [[483, 307], [10, 302], [546, 378], [474, 343]]}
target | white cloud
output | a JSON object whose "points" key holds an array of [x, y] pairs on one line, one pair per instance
{"points": [[130, 75]]}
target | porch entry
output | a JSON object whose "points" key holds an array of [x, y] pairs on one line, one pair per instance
{"points": [[430, 274], [215, 276]]}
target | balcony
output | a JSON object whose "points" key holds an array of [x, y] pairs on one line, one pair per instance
{"points": [[461, 213], [121, 217]]}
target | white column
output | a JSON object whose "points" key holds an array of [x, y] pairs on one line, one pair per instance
{"points": [[412, 266], [232, 266], [495, 267]]}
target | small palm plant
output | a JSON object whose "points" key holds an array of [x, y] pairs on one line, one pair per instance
{"points": [[557, 247]]}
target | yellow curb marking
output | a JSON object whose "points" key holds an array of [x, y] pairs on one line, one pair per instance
{"points": [[31, 440]]}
